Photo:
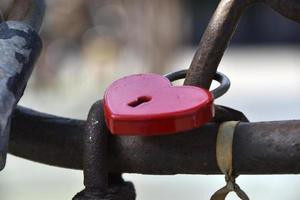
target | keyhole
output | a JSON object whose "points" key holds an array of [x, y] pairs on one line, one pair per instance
{"points": [[139, 101]]}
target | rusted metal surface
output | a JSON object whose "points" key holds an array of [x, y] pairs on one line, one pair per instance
{"points": [[95, 149], [267, 147], [259, 148], [59, 139], [214, 42], [99, 184], [47, 138], [219, 32]]}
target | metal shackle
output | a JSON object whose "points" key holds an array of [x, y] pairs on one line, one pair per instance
{"points": [[30, 12], [219, 77]]}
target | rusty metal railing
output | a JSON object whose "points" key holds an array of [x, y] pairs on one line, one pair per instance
{"points": [[258, 148]]}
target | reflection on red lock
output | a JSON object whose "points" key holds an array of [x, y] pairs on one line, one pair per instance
{"points": [[148, 104]]}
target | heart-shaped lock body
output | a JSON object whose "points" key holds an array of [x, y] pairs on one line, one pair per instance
{"points": [[148, 104]]}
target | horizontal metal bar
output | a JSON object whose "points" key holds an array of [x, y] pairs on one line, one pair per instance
{"points": [[259, 148]]}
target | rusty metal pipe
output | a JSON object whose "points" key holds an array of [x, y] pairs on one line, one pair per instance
{"points": [[214, 43], [259, 148], [219, 33]]}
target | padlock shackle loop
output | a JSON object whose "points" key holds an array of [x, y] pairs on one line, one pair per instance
{"points": [[219, 77], [30, 12]]}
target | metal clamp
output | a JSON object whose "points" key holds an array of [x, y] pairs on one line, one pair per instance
{"points": [[224, 147], [221, 78]]}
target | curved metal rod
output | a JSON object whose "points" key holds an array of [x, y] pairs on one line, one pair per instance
{"points": [[259, 148], [219, 32], [30, 12], [224, 81], [220, 77]]}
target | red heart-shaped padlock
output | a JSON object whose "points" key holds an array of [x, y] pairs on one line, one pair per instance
{"points": [[148, 104]]}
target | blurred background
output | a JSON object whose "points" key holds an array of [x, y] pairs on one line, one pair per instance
{"points": [[90, 43]]}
